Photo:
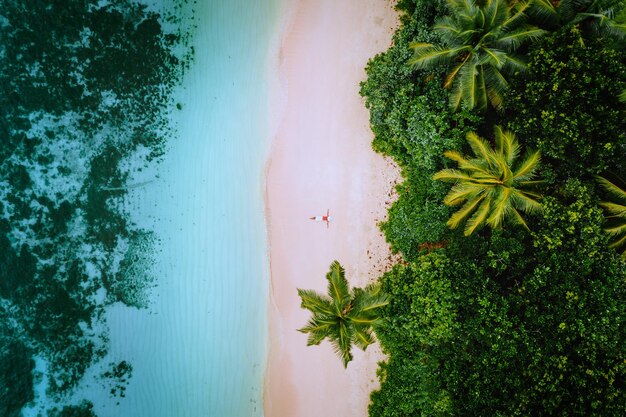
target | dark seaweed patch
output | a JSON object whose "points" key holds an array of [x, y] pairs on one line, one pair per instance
{"points": [[118, 375], [16, 368], [85, 409]]}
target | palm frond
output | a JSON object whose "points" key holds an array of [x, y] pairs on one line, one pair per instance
{"points": [[527, 168], [456, 97], [479, 217], [452, 75], [616, 230], [619, 243], [419, 47], [481, 89], [612, 189], [363, 337], [517, 218], [318, 328], [614, 209], [373, 289], [496, 85], [343, 347], [448, 27], [480, 147], [531, 183], [455, 156], [468, 85], [455, 220], [493, 57], [617, 215], [497, 12], [522, 201], [315, 302], [501, 205], [428, 55], [338, 288], [479, 169], [518, 16], [514, 62], [461, 192], [507, 145], [615, 29], [451, 175], [516, 38], [545, 10], [367, 302]]}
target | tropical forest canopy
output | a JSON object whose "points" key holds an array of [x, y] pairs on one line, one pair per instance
{"points": [[507, 118]]}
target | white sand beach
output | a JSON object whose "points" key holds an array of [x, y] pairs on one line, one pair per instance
{"points": [[321, 158]]}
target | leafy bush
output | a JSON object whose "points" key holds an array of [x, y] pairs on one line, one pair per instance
{"points": [[567, 105], [420, 321], [417, 216]]}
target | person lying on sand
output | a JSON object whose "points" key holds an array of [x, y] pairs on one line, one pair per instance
{"points": [[327, 218]]}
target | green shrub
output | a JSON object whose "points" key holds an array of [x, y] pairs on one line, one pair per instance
{"points": [[417, 216], [567, 106], [420, 323]]}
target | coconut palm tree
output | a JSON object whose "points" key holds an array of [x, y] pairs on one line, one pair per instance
{"points": [[479, 40], [343, 317], [604, 17], [490, 184], [616, 214]]}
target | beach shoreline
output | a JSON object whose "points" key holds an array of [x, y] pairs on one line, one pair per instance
{"points": [[321, 159]]}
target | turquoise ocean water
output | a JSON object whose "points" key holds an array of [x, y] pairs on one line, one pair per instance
{"points": [[199, 349], [134, 268]]}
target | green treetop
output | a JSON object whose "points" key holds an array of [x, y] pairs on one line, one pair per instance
{"points": [[490, 184], [479, 40], [343, 317]]}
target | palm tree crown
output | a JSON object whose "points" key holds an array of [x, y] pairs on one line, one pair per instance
{"points": [[490, 184], [479, 39], [616, 214], [344, 317]]}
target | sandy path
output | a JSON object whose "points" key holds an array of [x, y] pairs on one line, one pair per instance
{"points": [[321, 159]]}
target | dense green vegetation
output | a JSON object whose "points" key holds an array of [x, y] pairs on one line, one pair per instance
{"points": [[567, 107], [345, 317], [479, 43], [508, 321], [85, 88]]}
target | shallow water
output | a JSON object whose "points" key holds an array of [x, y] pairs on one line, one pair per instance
{"points": [[200, 347], [188, 225]]}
